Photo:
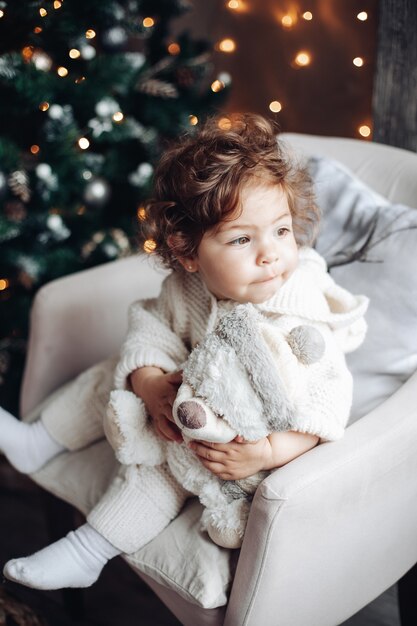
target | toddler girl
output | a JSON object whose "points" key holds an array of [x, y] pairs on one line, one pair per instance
{"points": [[232, 217]]}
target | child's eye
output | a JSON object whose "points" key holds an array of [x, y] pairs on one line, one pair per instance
{"points": [[240, 241], [283, 231]]}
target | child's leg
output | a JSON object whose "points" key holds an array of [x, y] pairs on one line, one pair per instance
{"points": [[74, 561], [26, 446], [139, 504]]}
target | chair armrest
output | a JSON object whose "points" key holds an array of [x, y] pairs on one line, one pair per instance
{"points": [[332, 530], [80, 319]]}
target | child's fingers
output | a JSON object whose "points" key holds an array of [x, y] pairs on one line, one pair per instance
{"points": [[175, 378]]}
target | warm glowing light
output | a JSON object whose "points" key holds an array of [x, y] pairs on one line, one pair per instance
{"points": [[149, 246], [275, 106], [44, 106], [141, 213], [27, 53], [302, 59], [224, 123], [1, 13], [364, 130], [358, 61], [148, 22], [193, 119], [57, 4], [227, 45], [4, 283], [362, 16], [62, 71], [83, 143], [74, 53], [217, 86], [34, 149], [287, 21], [118, 116], [174, 49], [235, 5], [307, 15], [37, 30], [90, 33], [79, 80], [43, 12]]}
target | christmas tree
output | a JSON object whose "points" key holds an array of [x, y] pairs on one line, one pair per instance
{"points": [[90, 91]]}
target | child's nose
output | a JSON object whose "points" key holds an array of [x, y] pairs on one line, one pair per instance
{"points": [[268, 254]]}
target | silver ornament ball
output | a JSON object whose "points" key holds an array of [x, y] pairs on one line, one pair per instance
{"points": [[97, 192]]}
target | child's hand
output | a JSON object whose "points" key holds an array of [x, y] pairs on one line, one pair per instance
{"points": [[158, 391], [235, 460]]}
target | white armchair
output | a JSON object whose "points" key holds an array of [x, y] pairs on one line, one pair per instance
{"points": [[327, 533]]}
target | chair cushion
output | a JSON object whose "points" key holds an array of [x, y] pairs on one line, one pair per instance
{"points": [[370, 246]]}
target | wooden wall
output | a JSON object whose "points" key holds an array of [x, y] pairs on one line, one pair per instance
{"points": [[395, 83]]}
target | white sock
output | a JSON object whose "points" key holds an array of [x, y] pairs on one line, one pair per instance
{"points": [[74, 561], [26, 446]]}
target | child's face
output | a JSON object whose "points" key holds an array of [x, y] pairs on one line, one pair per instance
{"points": [[248, 258]]}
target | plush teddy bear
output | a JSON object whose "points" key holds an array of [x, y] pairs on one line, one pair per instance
{"points": [[243, 379]]}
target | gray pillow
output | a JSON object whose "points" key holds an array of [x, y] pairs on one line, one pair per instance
{"points": [[370, 246]]}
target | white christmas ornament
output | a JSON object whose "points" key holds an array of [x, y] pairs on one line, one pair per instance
{"points": [[107, 107], [97, 192], [57, 227], [141, 175], [88, 52]]}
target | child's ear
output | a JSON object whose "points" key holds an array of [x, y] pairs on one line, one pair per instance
{"points": [[188, 263]]}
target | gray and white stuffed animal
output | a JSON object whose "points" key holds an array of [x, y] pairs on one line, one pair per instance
{"points": [[243, 379]]}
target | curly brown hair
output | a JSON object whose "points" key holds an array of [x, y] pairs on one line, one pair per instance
{"points": [[198, 184]]}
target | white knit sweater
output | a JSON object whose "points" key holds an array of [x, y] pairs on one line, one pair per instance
{"points": [[163, 330]]}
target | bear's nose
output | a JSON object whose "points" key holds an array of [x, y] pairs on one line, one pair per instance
{"points": [[191, 414]]}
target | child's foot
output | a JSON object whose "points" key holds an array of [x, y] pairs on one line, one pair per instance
{"points": [[74, 561], [26, 446]]}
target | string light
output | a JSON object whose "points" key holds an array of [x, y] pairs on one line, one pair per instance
{"points": [[1, 13], [62, 71], [83, 143], [302, 59], [358, 61], [57, 4], [43, 12], [27, 53], [287, 21], [217, 86], [90, 34], [362, 16], [307, 15], [148, 22], [118, 116], [4, 283], [74, 53], [174, 48], [224, 123], [235, 5], [44, 106], [79, 80], [37, 30], [227, 45], [141, 213], [275, 106], [364, 130], [35, 149], [193, 119], [149, 246]]}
